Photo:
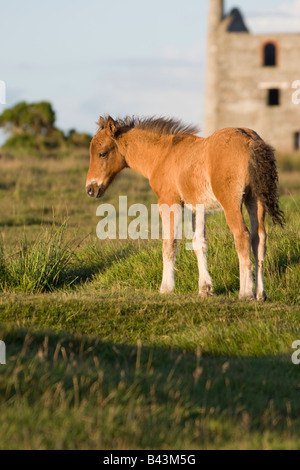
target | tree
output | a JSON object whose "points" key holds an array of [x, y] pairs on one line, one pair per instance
{"points": [[28, 118], [32, 125]]}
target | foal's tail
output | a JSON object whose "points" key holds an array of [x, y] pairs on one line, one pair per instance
{"points": [[264, 178]]}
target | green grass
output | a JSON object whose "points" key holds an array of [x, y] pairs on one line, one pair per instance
{"points": [[41, 266], [97, 358], [68, 392]]}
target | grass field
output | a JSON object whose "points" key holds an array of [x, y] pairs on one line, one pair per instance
{"points": [[98, 359]]}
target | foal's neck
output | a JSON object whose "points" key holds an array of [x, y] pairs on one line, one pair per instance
{"points": [[142, 150]]}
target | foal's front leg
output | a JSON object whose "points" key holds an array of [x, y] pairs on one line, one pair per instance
{"points": [[169, 257], [200, 248], [170, 224]]}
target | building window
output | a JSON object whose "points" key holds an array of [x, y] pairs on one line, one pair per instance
{"points": [[297, 141], [273, 97], [270, 55]]}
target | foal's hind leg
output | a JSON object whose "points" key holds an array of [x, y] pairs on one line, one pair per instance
{"points": [[200, 248], [241, 234], [258, 241]]}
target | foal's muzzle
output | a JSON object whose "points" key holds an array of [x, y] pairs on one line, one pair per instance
{"points": [[93, 190]]}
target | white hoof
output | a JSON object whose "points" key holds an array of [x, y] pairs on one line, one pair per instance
{"points": [[166, 289], [205, 290], [249, 296], [261, 296]]}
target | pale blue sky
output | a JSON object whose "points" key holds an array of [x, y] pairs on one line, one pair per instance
{"points": [[120, 57]]}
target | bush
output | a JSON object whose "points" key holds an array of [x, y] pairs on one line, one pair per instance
{"points": [[22, 140], [54, 140], [78, 139], [40, 267]]}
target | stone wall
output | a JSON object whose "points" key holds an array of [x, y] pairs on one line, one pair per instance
{"points": [[238, 84]]}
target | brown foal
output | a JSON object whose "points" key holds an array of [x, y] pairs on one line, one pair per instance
{"points": [[231, 167]]}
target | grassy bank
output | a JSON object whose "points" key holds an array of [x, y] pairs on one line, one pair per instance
{"points": [[96, 358]]}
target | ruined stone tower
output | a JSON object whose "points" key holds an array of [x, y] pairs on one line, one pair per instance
{"points": [[249, 79]]}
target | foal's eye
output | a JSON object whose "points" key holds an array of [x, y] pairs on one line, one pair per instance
{"points": [[103, 154]]}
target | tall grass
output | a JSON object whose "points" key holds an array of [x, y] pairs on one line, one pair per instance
{"points": [[38, 267], [76, 392], [52, 262]]}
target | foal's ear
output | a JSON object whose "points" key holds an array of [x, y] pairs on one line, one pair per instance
{"points": [[101, 122], [111, 125]]}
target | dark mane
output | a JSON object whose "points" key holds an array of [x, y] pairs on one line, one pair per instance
{"points": [[161, 125]]}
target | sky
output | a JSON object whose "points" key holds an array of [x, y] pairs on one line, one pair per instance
{"points": [[133, 57]]}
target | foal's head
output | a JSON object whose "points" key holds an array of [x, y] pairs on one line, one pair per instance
{"points": [[105, 159]]}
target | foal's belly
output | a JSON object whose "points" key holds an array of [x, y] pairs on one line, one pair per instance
{"points": [[208, 199], [200, 193]]}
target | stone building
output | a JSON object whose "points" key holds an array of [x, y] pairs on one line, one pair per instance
{"points": [[249, 79]]}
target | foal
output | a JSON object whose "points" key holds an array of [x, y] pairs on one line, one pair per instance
{"points": [[231, 167]]}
